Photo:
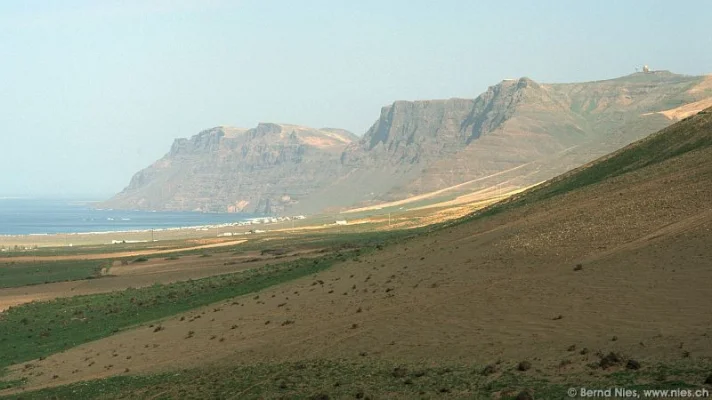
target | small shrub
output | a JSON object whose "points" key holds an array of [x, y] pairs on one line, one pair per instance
{"points": [[633, 364], [489, 369], [610, 360], [524, 366], [524, 395], [708, 381]]}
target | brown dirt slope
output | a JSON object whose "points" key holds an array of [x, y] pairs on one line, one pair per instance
{"points": [[500, 285]]}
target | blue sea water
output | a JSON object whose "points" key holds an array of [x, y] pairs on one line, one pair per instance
{"points": [[46, 216]]}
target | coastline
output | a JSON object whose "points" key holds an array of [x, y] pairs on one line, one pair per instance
{"points": [[28, 242], [31, 222]]}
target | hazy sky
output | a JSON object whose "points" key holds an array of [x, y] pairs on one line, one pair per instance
{"points": [[93, 91]]}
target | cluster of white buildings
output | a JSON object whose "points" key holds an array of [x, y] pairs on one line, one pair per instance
{"points": [[259, 221], [250, 232], [252, 221], [271, 220], [214, 228]]}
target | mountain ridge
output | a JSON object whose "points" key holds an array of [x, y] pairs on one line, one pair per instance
{"points": [[180, 180], [414, 147]]}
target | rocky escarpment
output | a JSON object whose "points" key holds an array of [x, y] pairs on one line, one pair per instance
{"points": [[419, 132], [537, 131], [518, 132], [259, 170]]}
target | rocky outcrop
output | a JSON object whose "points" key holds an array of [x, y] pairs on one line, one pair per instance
{"points": [[259, 170]]}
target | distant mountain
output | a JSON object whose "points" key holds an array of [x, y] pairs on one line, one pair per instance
{"points": [[518, 132], [229, 169]]}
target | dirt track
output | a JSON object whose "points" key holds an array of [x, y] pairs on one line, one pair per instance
{"points": [[433, 194], [121, 254]]}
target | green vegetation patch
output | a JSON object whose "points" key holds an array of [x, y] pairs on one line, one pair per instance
{"points": [[39, 329], [321, 379], [33, 273]]}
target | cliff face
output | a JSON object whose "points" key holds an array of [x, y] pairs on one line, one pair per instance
{"points": [[518, 132], [261, 170], [419, 132]]}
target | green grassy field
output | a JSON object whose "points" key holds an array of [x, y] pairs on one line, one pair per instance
{"points": [[34, 273], [39, 329], [320, 379]]}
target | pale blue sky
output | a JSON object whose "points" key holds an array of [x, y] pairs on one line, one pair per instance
{"points": [[92, 91]]}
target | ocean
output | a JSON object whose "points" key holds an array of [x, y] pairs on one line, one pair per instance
{"points": [[48, 216]]}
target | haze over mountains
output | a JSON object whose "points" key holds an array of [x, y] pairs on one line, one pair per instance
{"points": [[518, 133]]}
